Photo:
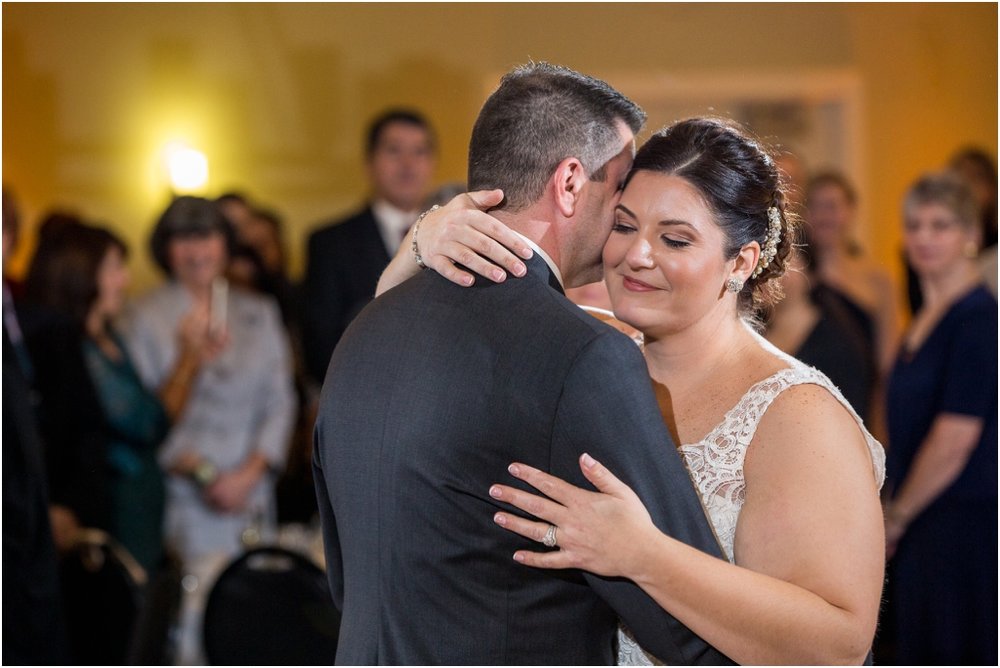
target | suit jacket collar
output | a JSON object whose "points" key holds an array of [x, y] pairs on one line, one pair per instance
{"points": [[538, 267], [553, 268]]}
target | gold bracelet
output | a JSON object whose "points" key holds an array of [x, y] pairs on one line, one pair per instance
{"points": [[413, 242]]}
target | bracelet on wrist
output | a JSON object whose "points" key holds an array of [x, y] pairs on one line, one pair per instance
{"points": [[205, 473], [416, 228]]}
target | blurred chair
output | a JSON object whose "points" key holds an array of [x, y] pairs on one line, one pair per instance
{"points": [[102, 589], [271, 606], [153, 637]]}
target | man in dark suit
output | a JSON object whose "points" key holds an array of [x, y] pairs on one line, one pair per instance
{"points": [[33, 623], [346, 258], [435, 389]]}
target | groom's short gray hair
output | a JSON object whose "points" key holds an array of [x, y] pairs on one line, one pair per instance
{"points": [[540, 115]]}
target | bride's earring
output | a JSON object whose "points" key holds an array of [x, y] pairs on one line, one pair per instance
{"points": [[734, 284]]}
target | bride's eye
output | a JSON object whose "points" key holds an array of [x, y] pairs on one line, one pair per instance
{"points": [[622, 228], [675, 243]]}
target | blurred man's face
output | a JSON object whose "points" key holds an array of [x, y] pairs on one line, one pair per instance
{"points": [[401, 166]]}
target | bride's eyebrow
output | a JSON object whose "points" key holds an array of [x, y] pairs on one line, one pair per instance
{"points": [[675, 223], [622, 207]]}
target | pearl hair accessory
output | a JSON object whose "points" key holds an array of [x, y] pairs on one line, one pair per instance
{"points": [[770, 248]]}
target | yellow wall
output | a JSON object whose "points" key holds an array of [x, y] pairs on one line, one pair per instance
{"points": [[278, 95]]}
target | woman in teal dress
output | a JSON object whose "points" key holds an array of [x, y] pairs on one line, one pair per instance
{"points": [[82, 275], [137, 424]]}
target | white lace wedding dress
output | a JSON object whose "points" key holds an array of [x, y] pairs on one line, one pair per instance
{"points": [[716, 465]]}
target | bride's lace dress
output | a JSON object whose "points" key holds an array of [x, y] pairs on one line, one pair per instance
{"points": [[716, 465]]}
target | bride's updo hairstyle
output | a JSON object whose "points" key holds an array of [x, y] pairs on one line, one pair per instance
{"points": [[740, 183]]}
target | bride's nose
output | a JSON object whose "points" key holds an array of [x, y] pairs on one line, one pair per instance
{"points": [[640, 253]]}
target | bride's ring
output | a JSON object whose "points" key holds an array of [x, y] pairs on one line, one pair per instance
{"points": [[549, 540]]}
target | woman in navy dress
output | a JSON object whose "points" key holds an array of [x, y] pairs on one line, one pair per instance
{"points": [[941, 513]]}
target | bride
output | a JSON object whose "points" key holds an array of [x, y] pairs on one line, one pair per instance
{"points": [[785, 468]]}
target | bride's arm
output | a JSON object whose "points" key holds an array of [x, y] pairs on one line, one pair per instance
{"points": [[809, 542], [459, 232]]}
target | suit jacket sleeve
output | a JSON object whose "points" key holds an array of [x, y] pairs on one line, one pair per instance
{"points": [[331, 538], [607, 409]]}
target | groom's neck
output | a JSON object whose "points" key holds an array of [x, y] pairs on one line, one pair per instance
{"points": [[540, 228]]}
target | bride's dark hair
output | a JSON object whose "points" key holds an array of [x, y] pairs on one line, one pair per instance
{"points": [[739, 181]]}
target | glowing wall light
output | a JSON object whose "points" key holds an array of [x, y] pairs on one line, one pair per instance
{"points": [[186, 167]]}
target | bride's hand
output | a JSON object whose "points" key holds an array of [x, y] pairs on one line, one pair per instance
{"points": [[461, 232], [601, 532]]}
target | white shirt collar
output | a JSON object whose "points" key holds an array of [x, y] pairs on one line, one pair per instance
{"points": [[545, 256], [392, 223]]}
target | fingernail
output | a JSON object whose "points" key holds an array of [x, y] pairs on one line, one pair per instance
{"points": [[520, 269], [495, 492], [498, 276], [588, 461], [514, 470], [500, 519], [467, 280], [526, 253], [518, 557]]}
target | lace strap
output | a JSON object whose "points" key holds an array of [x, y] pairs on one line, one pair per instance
{"points": [[743, 419]]}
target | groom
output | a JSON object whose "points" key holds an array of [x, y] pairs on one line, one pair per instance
{"points": [[435, 389]]}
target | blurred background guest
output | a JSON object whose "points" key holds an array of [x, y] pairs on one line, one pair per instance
{"points": [[979, 170], [82, 276], [796, 176], [346, 257], [941, 512], [69, 413], [258, 263], [78, 278], [33, 624], [223, 452], [865, 288], [812, 325], [11, 237], [260, 260]]}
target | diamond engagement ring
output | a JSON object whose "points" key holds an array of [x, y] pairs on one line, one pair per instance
{"points": [[549, 540]]}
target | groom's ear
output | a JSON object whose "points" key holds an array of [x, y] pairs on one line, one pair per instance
{"points": [[567, 182]]}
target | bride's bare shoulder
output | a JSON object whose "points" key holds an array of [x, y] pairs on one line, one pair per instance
{"points": [[806, 427]]}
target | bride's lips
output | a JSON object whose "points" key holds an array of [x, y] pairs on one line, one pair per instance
{"points": [[636, 285]]}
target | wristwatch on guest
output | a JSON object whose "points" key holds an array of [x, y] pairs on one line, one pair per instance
{"points": [[205, 473]]}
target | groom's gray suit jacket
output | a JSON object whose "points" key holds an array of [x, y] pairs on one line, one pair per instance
{"points": [[433, 390]]}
